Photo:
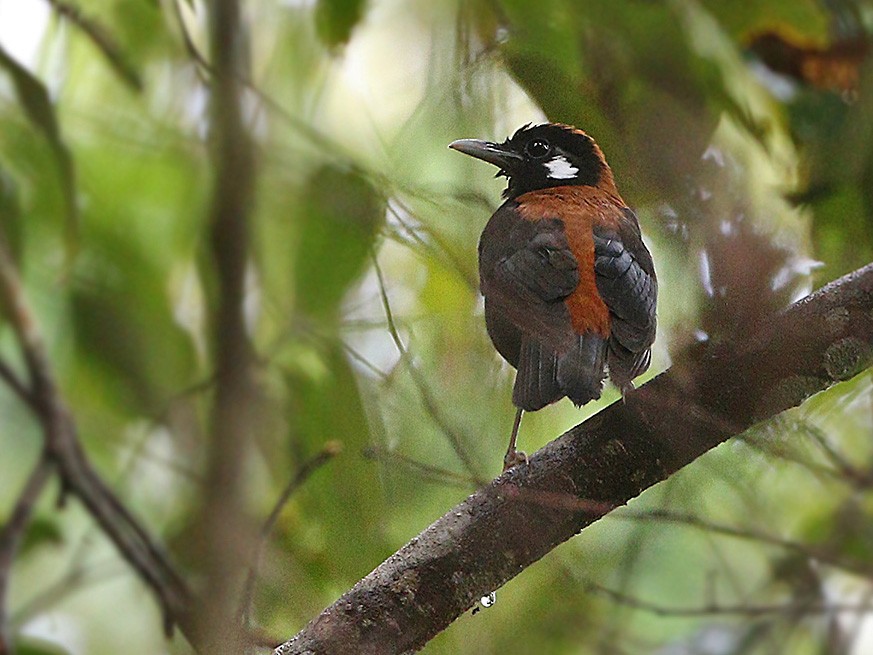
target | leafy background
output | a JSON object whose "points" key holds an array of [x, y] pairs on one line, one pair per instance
{"points": [[740, 132]]}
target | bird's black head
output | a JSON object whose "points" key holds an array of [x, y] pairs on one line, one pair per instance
{"points": [[541, 156]]}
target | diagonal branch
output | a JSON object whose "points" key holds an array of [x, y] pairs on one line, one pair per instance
{"points": [[715, 393], [303, 473], [77, 476], [102, 39]]}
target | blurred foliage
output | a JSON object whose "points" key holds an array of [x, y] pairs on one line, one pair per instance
{"points": [[335, 20], [339, 219], [741, 132], [34, 100]]}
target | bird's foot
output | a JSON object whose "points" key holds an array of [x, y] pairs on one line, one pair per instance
{"points": [[514, 458]]}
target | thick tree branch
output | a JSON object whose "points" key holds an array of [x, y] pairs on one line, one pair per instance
{"points": [[715, 393]]}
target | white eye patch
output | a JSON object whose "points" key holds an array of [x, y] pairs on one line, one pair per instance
{"points": [[560, 169]]}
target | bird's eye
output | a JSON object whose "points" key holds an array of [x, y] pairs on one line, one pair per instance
{"points": [[538, 148]]}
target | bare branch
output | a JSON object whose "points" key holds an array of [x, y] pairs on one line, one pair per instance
{"points": [[62, 448], [102, 39], [750, 534], [226, 531], [11, 534], [14, 382], [715, 393], [790, 608]]}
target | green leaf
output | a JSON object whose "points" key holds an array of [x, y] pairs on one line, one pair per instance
{"points": [[104, 41], [10, 212], [326, 405], [41, 531], [129, 342], [139, 25], [36, 103], [595, 65], [838, 141], [33, 646], [743, 18], [340, 215], [336, 19]]}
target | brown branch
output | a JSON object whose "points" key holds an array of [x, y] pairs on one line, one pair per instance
{"points": [[13, 381], [12, 533], [77, 476], [226, 531], [715, 393]]}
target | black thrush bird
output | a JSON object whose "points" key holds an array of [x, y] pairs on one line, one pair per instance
{"points": [[570, 287]]}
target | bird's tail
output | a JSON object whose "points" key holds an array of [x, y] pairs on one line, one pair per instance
{"points": [[544, 376], [580, 371], [625, 365]]}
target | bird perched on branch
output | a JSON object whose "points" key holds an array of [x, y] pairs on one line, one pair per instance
{"points": [[569, 285]]}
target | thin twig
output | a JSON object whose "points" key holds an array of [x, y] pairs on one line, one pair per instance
{"points": [[100, 38], [750, 534], [427, 472], [12, 533], [430, 404], [363, 361], [859, 477], [631, 559], [14, 382], [303, 473], [796, 608], [324, 143], [439, 243]]}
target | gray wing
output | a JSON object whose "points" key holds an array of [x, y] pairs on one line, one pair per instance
{"points": [[526, 271], [626, 281]]}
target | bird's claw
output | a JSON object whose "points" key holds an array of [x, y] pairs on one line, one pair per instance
{"points": [[514, 458]]}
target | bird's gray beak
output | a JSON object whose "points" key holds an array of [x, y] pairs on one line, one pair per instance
{"points": [[493, 153]]}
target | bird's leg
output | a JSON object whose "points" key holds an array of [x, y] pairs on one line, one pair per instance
{"points": [[514, 457]]}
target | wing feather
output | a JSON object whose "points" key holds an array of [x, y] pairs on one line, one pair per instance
{"points": [[526, 270], [627, 283]]}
